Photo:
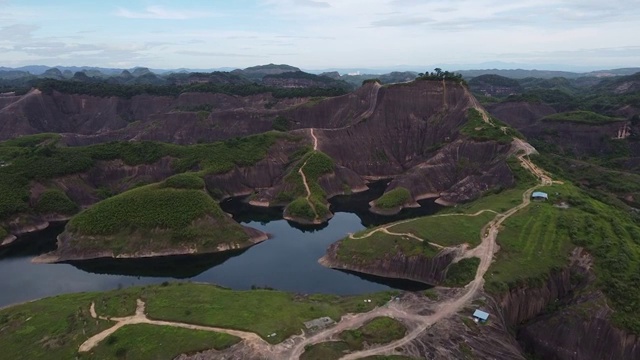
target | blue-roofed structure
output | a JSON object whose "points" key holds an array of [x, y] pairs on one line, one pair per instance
{"points": [[539, 195], [480, 315]]}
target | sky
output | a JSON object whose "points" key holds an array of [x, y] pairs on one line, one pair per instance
{"points": [[319, 34]]}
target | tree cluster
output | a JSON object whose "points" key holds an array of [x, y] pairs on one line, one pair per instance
{"points": [[438, 74]]}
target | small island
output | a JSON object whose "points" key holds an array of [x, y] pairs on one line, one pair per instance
{"points": [[174, 217]]}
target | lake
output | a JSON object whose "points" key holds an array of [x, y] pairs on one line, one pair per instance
{"points": [[287, 261]]}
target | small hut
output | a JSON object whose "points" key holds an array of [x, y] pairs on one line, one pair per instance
{"points": [[540, 196], [480, 316]]}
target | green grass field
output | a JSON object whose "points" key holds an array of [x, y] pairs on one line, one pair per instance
{"points": [[261, 311], [531, 244], [48, 329], [144, 341], [442, 230], [537, 240], [447, 230], [54, 328], [380, 246]]}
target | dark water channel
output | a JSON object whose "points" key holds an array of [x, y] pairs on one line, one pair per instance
{"points": [[287, 261]]}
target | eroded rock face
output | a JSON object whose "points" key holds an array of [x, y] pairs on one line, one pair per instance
{"points": [[580, 329], [67, 251], [458, 337], [407, 132], [431, 271], [570, 138], [520, 114]]}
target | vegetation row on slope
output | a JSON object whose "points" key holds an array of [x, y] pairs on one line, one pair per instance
{"points": [[55, 201], [582, 116], [537, 240], [104, 89], [42, 157], [147, 207]]}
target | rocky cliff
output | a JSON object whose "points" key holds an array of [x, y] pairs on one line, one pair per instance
{"points": [[564, 318], [431, 271], [94, 247], [360, 131], [574, 139]]}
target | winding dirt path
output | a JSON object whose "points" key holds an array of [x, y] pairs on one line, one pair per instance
{"points": [[140, 317], [315, 140], [294, 347], [386, 228], [484, 251], [307, 189]]}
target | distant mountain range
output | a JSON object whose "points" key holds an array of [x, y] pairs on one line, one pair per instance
{"points": [[512, 70]]}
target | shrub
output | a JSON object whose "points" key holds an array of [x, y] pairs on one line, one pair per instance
{"points": [[300, 207], [281, 123], [148, 207], [185, 181], [55, 201], [462, 272], [394, 198]]}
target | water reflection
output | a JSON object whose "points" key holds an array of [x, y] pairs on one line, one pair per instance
{"points": [[178, 267], [287, 261]]}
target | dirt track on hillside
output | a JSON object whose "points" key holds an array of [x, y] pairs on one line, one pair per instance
{"points": [[141, 318]]}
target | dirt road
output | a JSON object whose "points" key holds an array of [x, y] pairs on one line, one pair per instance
{"points": [[315, 140], [484, 251], [294, 347], [307, 189], [140, 317]]}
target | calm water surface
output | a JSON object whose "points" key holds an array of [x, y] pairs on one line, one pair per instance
{"points": [[287, 261]]}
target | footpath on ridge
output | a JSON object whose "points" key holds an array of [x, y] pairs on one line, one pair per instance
{"points": [[295, 346]]}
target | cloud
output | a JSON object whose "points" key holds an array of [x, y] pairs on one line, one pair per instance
{"points": [[397, 21], [161, 13], [213, 54], [17, 32], [312, 3], [617, 52]]}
